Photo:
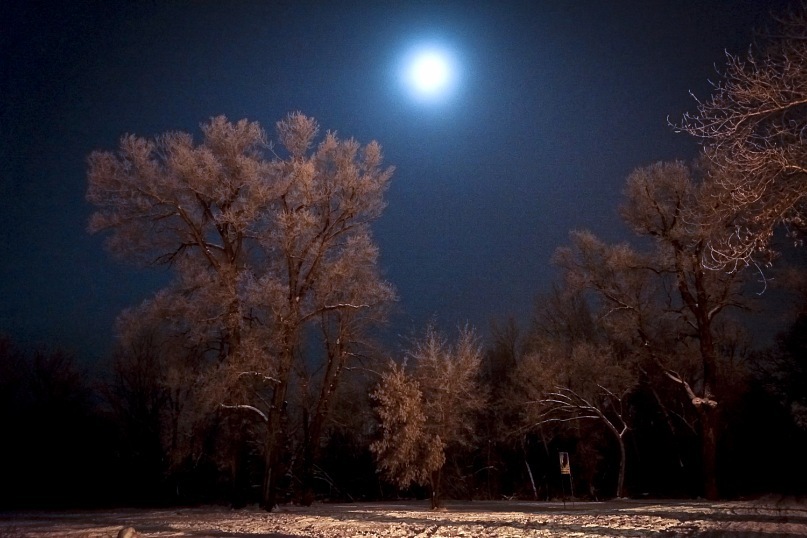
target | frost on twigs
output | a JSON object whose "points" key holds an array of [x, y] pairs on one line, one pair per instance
{"points": [[407, 452], [424, 411], [265, 249], [661, 304], [753, 133], [573, 373]]}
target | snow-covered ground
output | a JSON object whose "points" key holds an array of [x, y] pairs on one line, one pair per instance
{"points": [[767, 517]]}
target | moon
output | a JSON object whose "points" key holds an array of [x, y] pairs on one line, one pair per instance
{"points": [[430, 73]]}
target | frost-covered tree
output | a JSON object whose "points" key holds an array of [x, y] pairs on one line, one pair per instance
{"points": [[572, 373], [663, 302], [428, 409], [407, 452], [752, 128], [264, 247]]}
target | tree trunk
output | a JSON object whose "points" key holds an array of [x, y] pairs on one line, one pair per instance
{"points": [[271, 461], [620, 484], [274, 443], [309, 453], [315, 426], [709, 420], [708, 413], [436, 502], [239, 469], [620, 438], [706, 404], [532, 480], [311, 438]]}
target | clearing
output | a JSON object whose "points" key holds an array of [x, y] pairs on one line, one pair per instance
{"points": [[768, 517]]}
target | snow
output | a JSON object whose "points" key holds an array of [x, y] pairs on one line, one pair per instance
{"points": [[766, 517]]}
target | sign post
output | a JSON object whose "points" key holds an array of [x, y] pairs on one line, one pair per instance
{"points": [[565, 470]]}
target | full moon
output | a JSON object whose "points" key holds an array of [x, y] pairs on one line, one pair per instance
{"points": [[429, 73]]}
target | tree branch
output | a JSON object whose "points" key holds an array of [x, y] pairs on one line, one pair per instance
{"points": [[246, 407]]}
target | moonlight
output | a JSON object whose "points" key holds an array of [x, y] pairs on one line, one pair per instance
{"points": [[430, 73]]}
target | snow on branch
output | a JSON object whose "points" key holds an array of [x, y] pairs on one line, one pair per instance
{"points": [[264, 377], [247, 408]]}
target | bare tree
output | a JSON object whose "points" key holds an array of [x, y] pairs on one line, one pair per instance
{"points": [[660, 198], [424, 412], [262, 249], [753, 132], [344, 342], [326, 272]]}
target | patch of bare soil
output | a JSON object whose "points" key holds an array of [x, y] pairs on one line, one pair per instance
{"points": [[763, 518]]}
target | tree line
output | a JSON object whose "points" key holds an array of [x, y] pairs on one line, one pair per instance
{"points": [[255, 374]]}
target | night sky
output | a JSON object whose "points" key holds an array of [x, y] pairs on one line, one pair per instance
{"points": [[553, 105]]}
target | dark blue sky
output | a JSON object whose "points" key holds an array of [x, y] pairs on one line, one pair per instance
{"points": [[558, 101]]}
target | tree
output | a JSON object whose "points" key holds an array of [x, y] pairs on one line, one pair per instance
{"points": [[752, 128], [325, 271], [498, 365], [660, 198], [425, 412], [665, 302], [407, 452], [197, 209], [55, 446], [155, 399], [263, 250], [138, 399], [572, 373]]}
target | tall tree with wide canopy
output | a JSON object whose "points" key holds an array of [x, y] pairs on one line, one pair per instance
{"points": [[664, 302], [262, 250]]}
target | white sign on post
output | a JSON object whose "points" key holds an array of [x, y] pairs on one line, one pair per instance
{"points": [[566, 470], [565, 467]]}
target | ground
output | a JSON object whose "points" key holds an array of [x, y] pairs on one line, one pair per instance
{"points": [[767, 517]]}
